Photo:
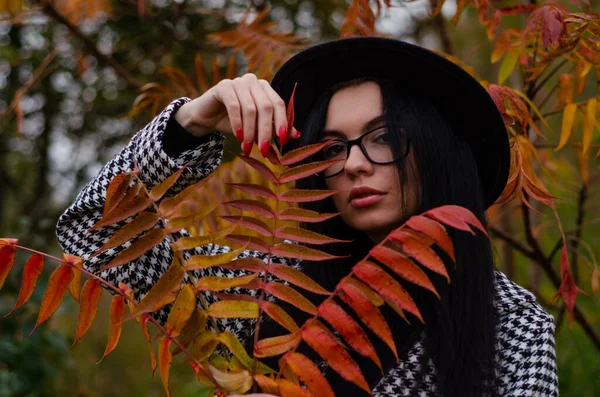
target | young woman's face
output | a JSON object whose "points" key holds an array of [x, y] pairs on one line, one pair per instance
{"points": [[350, 110]]}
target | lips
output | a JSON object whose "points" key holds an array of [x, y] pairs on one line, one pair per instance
{"points": [[363, 191]]}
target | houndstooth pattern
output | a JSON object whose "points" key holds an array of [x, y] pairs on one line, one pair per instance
{"points": [[525, 358]]}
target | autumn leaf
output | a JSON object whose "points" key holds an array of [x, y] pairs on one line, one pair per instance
{"points": [[253, 206], [260, 167], [296, 277], [267, 385], [258, 190], [124, 210], [567, 124], [291, 296], [423, 255], [279, 315], [305, 236], [290, 389], [308, 373], [589, 124], [305, 170], [304, 215], [233, 309], [159, 191], [31, 271], [117, 312], [55, 293], [205, 261], [595, 281], [568, 289], [237, 349], [164, 362], [297, 155], [115, 192], [140, 224], [76, 264], [251, 223], [296, 251], [7, 261], [138, 248], [234, 382], [457, 217], [433, 230], [144, 325], [216, 283], [90, 296], [304, 195], [181, 311], [204, 345]]}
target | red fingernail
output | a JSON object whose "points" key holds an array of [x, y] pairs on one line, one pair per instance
{"points": [[239, 134], [247, 148], [282, 135], [264, 148], [298, 134]]}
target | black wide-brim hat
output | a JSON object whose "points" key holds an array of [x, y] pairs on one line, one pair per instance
{"points": [[461, 98]]}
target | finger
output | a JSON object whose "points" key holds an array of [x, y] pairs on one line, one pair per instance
{"points": [[279, 112], [226, 94], [264, 117], [248, 111]]}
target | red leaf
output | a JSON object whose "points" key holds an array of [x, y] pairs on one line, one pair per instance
{"points": [[165, 359], [251, 223], [424, 255], [373, 296], [252, 242], [250, 264], [259, 190], [138, 248], [305, 195], [7, 261], [253, 206], [305, 236], [350, 330], [279, 315], [55, 293], [297, 155], [141, 223], [296, 251], [457, 217], [334, 353], [297, 278], [308, 373], [32, 270], [368, 313], [291, 296], [290, 109], [90, 296], [304, 170], [159, 191], [117, 312], [435, 231], [385, 285], [568, 289], [260, 167], [276, 345], [403, 267], [304, 215], [115, 192]]}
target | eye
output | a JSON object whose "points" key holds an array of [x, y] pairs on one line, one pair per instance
{"points": [[382, 136], [333, 150]]}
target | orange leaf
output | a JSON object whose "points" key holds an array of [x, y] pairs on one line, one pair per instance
{"points": [[159, 191], [305, 195], [368, 313], [117, 312], [7, 261], [32, 270], [55, 293], [90, 296], [589, 123], [164, 360], [181, 311], [276, 345], [168, 282], [457, 217], [433, 230], [75, 285], [385, 285], [279, 315], [373, 296], [124, 210], [305, 236], [237, 349], [185, 243], [350, 330], [252, 242], [250, 264], [170, 204], [567, 124], [290, 389], [296, 277], [568, 289], [215, 283], [253, 206], [304, 215], [304, 170], [251, 223], [141, 223], [425, 256], [291, 296], [537, 192], [296, 251], [334, 353], [233, 309], [115, 192], [403, 267], [138, 248], [259, 190], [182, 222], [566, 88], [267, 385], [308, 372], [204, 345], [297, 155], [8, 241], [144, 325], [260, 167], [205, 261]]}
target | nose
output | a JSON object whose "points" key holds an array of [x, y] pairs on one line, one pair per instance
{"points": [[357, 162]]}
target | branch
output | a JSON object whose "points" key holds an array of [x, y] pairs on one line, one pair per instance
{"points": [[578, 230], [91, 47]]}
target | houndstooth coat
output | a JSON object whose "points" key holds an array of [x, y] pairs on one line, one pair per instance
{"points": [[525, 358]]}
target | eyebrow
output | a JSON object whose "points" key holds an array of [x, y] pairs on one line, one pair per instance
{"points": [[367, 126]]}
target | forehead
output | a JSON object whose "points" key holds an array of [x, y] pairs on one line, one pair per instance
{"points": [[351, 107]]}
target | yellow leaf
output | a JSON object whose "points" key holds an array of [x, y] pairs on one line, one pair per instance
{"points": [[233, 309], [204, 261], [589, 123], [508, 65], [236, 382], [182, 310], [215, 283], [567, 124]]}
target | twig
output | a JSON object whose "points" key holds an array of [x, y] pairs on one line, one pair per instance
{"points": [[91, 46], [578, 230], [535, 89]]}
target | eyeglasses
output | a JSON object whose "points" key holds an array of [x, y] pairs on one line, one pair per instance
{"points": [[375, 145]]}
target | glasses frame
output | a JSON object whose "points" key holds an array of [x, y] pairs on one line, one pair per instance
{"points": [[358, 141]]}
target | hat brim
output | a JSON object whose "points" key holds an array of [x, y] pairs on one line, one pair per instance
{"points": [[460, 97]]}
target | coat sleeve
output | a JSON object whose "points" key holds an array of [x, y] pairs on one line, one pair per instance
{"points": [[528, 365], [148, 151]]}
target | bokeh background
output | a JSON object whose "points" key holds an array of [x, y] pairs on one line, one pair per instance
{"points": [[73, 114]]}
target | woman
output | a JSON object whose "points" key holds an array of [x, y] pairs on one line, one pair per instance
{"points": [[416, 132]]}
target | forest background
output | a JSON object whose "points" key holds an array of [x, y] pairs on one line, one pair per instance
{"points": [[70, 73]]}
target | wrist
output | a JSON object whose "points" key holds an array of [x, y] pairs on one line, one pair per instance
{"points": [[186, 119]]}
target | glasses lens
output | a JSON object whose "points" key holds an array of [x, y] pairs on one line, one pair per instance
{"points": [[336, 150]]}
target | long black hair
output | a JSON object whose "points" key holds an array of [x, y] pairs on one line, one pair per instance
{"points": [[460, 328]]}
